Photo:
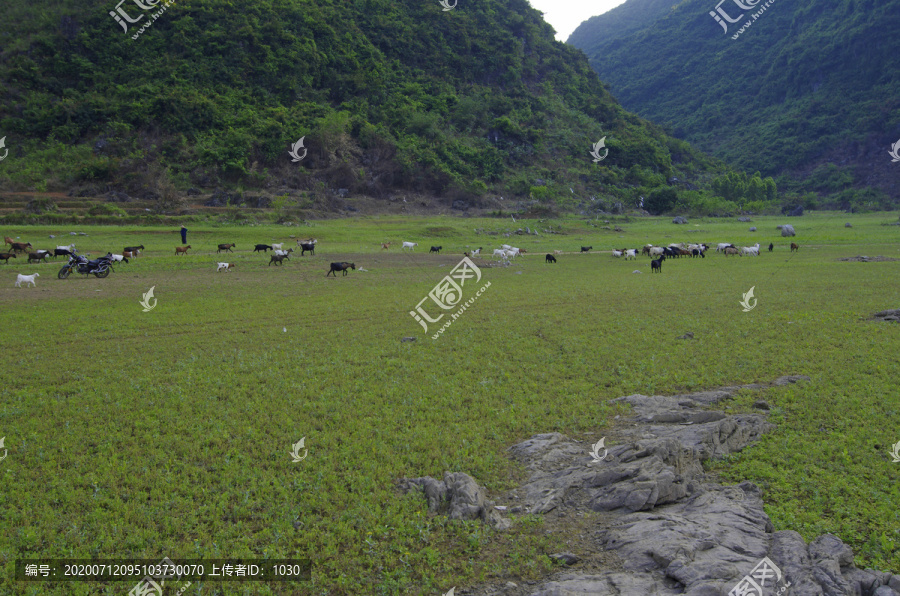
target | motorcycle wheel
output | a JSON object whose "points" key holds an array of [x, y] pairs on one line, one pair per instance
{"points": [[102, 273], [64, 272]]}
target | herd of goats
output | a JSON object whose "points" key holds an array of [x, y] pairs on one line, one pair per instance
{"points": [[280, 254]]}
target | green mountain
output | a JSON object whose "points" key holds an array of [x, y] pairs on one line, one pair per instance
{"points": [[807, 92], [462, 104]]}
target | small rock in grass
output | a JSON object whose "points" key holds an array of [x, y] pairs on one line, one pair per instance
{"points": [[565, 558], [761, 404], [635, 271], [408, 339], [688, 335]]}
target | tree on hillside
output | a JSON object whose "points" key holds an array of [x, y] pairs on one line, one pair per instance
{"points": [[660, 201]]}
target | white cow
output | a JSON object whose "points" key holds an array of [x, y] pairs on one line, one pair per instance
{"points": [[410, 245], [28, 279]]}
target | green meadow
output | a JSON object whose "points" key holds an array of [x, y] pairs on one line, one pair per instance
{"points": [[136, 434]]}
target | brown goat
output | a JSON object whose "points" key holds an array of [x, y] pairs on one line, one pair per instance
{"points": [[21, 246], [794, 246], [385, 245], [8, 240], [277, 259], [180, 250], [6, 256], [227, 247], [34, 256]]}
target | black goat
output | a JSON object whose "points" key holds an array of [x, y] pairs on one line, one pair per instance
{"points": [[436, 249], [771, 246], [277, 259], [586, 248], [307, 246], [549, 259], [342, 266], [657, 264], [262, 247]]}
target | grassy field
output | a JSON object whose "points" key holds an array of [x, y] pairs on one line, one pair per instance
{"points": [[167, 433]]}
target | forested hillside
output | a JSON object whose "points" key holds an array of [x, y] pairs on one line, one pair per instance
{"points": [[809, 92], [388, 96]]}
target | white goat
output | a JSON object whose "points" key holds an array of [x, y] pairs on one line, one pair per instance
{"points": [[116, 258], [277, 247], [225, 266], [655, 251], [631, 253], [410, 245], [722, 246], [282, 253], [69, 248], [617, 253], [505, 246], [28, 279], [476, 251], [751, 250]]}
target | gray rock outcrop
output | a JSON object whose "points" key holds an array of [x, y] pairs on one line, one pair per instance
{"points": [[458, 496], [787, 230]]}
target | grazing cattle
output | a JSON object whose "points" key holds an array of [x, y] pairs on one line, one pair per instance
{"points": [[384, 245], [277, 259], [28, 279], [731, 250], [436, 249], [771, 246], [7, 255], [794, 246], [409, 245], [21, 246], [586, 248], [549, 259], [656, 266], [308, 246], [180, 250], [262, 247], [33, 256], [227, 247], [342, 266], [224, 266]]}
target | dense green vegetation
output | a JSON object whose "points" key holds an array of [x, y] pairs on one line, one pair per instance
{"points": [[809, 93], [168, 433], [389, 96]]}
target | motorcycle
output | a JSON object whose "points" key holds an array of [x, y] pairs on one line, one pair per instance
{"points": [[98, 267]]}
